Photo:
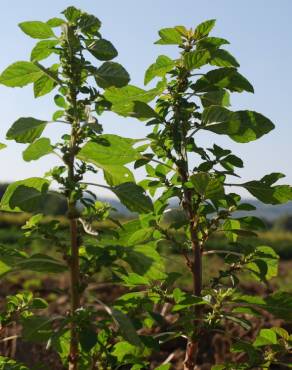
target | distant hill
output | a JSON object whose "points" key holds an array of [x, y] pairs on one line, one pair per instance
{"points": [[266, 211], [56, 205], [270, 212]]}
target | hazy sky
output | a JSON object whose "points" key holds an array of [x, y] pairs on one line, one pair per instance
{"points": [[260, 35]]}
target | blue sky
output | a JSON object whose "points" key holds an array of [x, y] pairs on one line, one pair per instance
{"points": [[260, 36]]}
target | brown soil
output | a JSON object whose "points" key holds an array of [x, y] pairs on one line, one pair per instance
{"points": [[214, 348]]}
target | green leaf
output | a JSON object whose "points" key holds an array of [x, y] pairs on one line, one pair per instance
{"points": [[60, 101], [247, 310], [26, 130], [162, 65], [126, 327], [133, 197], [20, 74], [265, 337], [38, 304], [135, 109], [246, 207], [233, 160], [163, 367], [263, 191], [280, 305], [8, 364], [184, 298], [239, 321], [227, 78], [196, 59], [102, 49], [251, 126], [9, 257], [43, 86], [109, 150], [37, 29], [43, 50], [145, 261], [142, 111], [240, 126], [116, 175], [89, 24], [46, 84], [271, 178], [207, 186], [281, 332], [2, 146], [220, 97], [265, 263], [58, 114], [37, 149], [222, 58], [204, 28], [141, 236], [55, 22], [124, 350], [24, 195], [129, 94], [169, 36], [111, 74], [41, 263], [218, 367], [88, 338], [252, 223], [229, 226], [130, 101], [211, 43], [36, 328], [128, 229], [72, 14], [133, 280], [4, 269]]}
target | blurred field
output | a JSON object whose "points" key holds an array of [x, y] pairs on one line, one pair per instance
{"points": [[55, 287], [281, 240]]}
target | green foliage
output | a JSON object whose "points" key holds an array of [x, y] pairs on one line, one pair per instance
{"points": [[241, 126], [26, 130], [8, 364], [43, 50], [266, 193], [188, 103], [37, 29], [20, 74], [24, 195], [169, 36], [225, 78], [102, 49], [133, 197], [130, 330], [37, 149], [84, 150], [109, 150], [111, 74], [162, 65]]}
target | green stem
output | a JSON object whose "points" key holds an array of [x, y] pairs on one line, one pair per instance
{"points": [[73, 73], [191, 211], [73, 265], [75, 297]]}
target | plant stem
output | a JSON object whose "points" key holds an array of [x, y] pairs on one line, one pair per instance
{"points": [[73, 265], [75, 298], [196, 270], [72, 71], [191, 210]]}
